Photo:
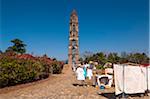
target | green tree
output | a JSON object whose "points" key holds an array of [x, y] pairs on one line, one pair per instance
{"points": [[101, 58], [124, 57], [139, 58], [113, 58], [98, 57], [18, 46], [81, 59]]}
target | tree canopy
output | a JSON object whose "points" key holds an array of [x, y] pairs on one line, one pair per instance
{"points": [[18, 46], [102, 58]]}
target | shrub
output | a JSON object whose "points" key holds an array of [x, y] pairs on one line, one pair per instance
{"points": [[57, 67], [14, 70]]}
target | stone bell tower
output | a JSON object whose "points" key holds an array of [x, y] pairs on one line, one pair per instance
{"points": [[73, 55]]}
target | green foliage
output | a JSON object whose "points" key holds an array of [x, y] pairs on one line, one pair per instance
{"points": [[57, 67], [113, 58], [18, 47], [139, 58], [100, 67], [17, 68], [14, 70], [124, 58], [98, 57], [81, 59], [101, 58]]}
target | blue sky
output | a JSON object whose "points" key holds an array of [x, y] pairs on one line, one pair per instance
{"points": [[104, 25]]}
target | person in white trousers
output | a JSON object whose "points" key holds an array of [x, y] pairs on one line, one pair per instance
{"points": [[80, 74]]}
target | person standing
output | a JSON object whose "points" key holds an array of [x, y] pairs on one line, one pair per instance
{"points": [[94, 78], [85, 70], [80, 74], [89, 71]]}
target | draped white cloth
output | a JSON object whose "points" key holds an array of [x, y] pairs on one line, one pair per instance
{"points": [[133, 80], [148, 78]]}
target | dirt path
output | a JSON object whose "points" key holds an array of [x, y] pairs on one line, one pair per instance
{"points": [[56, 87]]}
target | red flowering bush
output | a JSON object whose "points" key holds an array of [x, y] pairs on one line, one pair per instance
{"points": [[17, 69]]}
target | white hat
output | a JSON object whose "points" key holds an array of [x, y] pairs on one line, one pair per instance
{"points": [[79, 65], [91, 62]]}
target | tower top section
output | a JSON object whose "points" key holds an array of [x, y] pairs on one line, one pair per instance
{"points": [[74, 17], [74, 12]]}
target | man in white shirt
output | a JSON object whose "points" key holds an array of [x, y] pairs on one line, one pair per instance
{"points": [[80, 74]]}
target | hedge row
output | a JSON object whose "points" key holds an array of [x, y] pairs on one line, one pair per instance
{"points": [[16, 71]]}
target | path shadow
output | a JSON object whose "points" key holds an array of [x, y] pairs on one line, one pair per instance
{"points": [[120, 96], [79, 85], [108, 95]]}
